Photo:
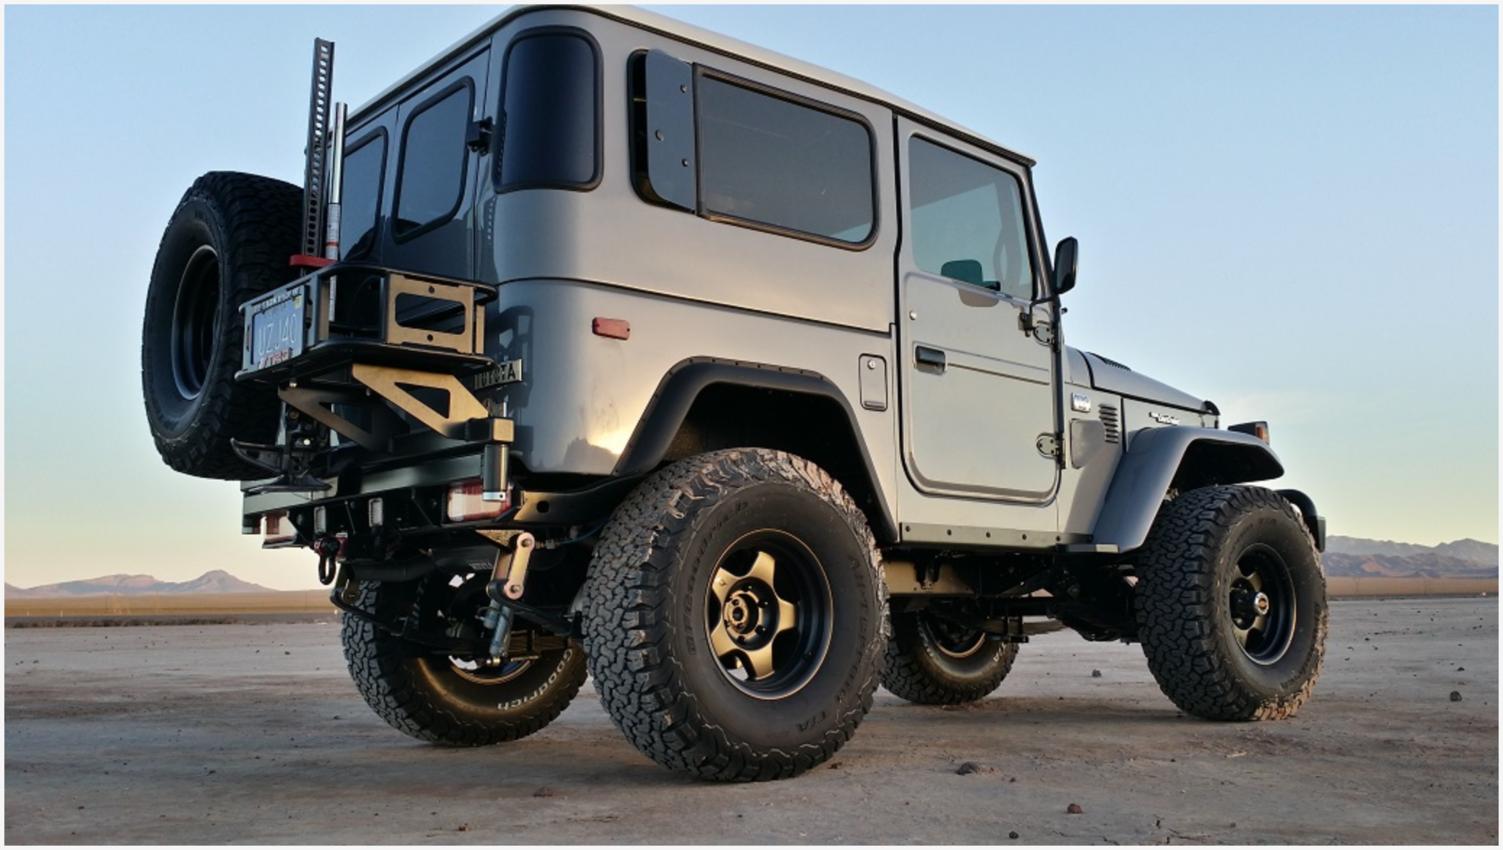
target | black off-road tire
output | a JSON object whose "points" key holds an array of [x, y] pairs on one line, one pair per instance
{"points": [[647, 608], [922, 667], [1187, 572], [230, 238], [425, 697]]}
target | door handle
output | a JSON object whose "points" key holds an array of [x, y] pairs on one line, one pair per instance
{"points": [[927, 356]]}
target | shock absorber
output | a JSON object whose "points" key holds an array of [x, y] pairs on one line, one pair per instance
{"points": [[502, 590]]}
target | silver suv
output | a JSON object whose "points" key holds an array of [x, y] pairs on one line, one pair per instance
{"points": [[602, 343]]}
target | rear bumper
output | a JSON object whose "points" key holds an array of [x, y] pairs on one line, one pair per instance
{"points": [[413, 504]]}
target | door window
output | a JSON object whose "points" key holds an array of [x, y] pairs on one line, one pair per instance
{"points": [[966, 220], [430, 178], [361, 201]]}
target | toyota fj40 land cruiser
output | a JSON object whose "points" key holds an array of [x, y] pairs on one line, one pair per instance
{"points": [[607, 343]]}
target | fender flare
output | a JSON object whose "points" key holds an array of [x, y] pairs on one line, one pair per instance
{"points": [[683, 383], [1160, 458]]}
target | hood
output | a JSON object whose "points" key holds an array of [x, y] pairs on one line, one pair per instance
{"points": [[1111, 376]]}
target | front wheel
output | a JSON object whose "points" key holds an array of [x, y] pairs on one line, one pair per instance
{"points": [[734, 623], [1231, 604]]}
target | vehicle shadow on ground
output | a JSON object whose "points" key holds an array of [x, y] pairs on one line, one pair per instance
{"points": [[1043, 710]]}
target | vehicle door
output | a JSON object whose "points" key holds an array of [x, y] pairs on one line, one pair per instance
{"points": [[431, 227], [978, 374]]}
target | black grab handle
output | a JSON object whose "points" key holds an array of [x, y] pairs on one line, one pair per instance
{"points": [[927, 356]]}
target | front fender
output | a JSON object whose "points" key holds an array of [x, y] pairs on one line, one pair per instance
{"points": [[1185, 458]]}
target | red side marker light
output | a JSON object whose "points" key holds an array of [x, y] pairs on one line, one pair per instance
{"points": [[611, 328]]}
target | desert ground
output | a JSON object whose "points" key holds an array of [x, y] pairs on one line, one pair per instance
{"points": [[253, 733]]}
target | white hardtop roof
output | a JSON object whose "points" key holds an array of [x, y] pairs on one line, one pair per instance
{"points": [[721, 44]]}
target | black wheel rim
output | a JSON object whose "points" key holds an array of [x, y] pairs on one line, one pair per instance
{"points": [[1262, 605], [952, 639], [192, 325], [768, 614]]}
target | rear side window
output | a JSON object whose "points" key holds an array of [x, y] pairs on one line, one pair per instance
{"points": [[966, 220], [550, 133], [430, 178], [360, 200], [772, 161]]}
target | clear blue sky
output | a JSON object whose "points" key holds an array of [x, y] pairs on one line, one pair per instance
{"points": [[1290, 210]]}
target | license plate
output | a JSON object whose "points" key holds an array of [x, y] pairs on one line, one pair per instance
{"points": [[275, 329]]}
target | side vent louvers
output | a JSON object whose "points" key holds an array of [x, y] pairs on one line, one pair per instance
{"points": [[1110, 420]]}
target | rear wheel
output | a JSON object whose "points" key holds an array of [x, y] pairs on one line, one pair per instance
{"points": [[451, 700], [229, 239], [734, 621], [1231, 604], [933, 661]]}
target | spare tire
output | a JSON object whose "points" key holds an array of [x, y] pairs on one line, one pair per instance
{"points": [[230, 238]]}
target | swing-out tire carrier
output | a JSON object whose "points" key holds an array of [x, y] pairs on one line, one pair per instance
{"points": [[377, 357]]}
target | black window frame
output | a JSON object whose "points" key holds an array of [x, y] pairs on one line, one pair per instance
{"points": [[468, 84], [701, 72], [1025, 204], [499, 149], [377, 134]]}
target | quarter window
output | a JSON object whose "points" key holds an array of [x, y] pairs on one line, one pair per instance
{"points": [[772, 161], [966, 220], [360, 200], [548, 113], [431, 174]]}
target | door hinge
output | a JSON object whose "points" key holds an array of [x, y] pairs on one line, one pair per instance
{"points": [[1048, 445], [1039, 329], [1044, 333]]}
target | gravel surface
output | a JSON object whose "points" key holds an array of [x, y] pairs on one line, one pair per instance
{"points": [[253, 733]]}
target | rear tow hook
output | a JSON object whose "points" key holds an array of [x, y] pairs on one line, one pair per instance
{"points": [[497, 616], [327, 549]]}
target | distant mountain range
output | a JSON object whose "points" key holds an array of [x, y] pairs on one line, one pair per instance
{"points": [[1345, 556], [1360, 557], [213, 581]]}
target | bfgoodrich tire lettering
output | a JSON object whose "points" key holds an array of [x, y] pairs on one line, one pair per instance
{"points": [[230, 238], [931, 664], [649, 611], [430, 698], [1190, 595]]}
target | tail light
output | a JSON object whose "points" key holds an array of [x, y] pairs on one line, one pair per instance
{"points": [[278, 529], [466, 502]]}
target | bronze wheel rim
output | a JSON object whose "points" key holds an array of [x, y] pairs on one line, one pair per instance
{"points": [[1262, 605], [952, 639], [472, 670], [768, 614]]}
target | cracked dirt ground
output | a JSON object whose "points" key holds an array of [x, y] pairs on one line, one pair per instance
{"points": [[253, 733]]}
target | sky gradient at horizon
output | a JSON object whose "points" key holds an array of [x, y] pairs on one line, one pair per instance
{"points": [[1290, 210]]}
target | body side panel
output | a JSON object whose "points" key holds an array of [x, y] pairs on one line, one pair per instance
{"points": [[583, 396]]}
